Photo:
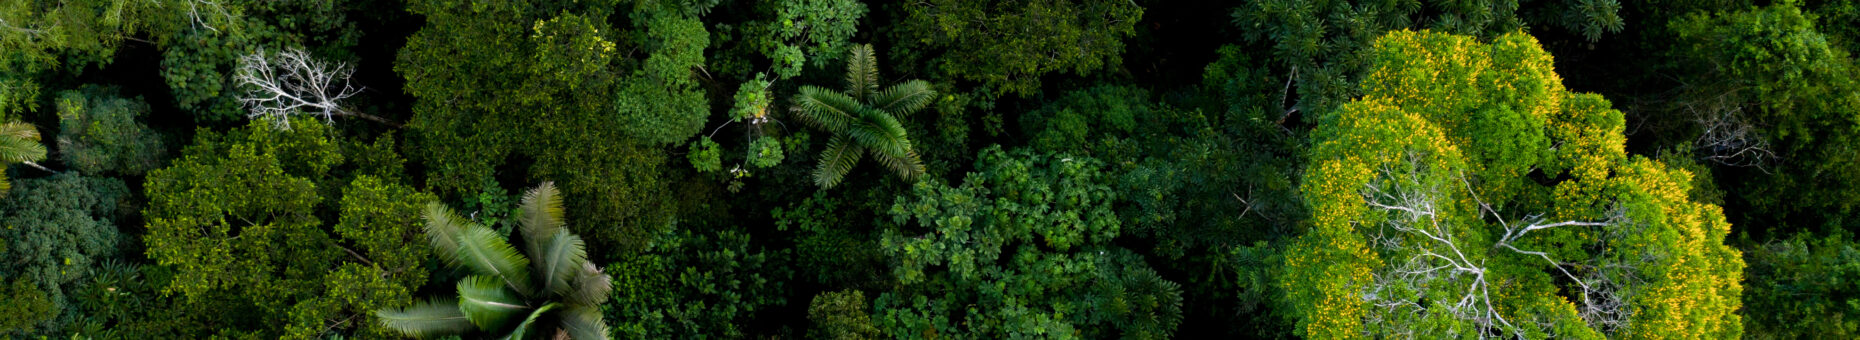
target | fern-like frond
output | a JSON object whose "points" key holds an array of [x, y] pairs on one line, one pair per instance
{"points": [[558, 260], [19, 130], [861, 72], [584, 323], [486, 253], [837, 160], [426, 319], [19, 143], [591, 286], [902, 100], [442, 230], [824, 109], [908, 166], [485, 301], [882, 133], [542, 216]]}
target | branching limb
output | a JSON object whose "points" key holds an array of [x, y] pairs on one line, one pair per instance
{"points": [[278, 85]]}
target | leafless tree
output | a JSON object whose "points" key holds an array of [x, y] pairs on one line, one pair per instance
{"points": [[281, 84], [1727, 138]]}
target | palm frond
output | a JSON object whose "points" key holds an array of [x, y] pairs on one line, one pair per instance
{"points": [[19, 130], [907, 166], [484, 301], [861, 72], [427, 319], [442, 230], [591, 286], [825, 109], [882, 133], [19, 143], [558, 260], [542, 215], [838, 159], [902, 100], [523, 329], [488, 254], [584, 323]]}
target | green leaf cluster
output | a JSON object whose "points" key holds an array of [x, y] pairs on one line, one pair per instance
{"points": [[240, 219], [1773, 69], [55, 230], [1022, 249], [581, 93], [697, 285], [1323, 46], [102, 133], [1803, 286], [1007, 46]]}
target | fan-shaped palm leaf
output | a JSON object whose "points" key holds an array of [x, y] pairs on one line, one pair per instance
{"points": [[861, 72], [591, 286], [584, 322], [427, 319], [487, 254], [839, 158], [558, 260], [902, 100], [485, 301], [442, 230], [824, 109], [542, 216]]}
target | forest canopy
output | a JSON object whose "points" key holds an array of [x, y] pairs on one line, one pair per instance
{"points": [[878, 169]]}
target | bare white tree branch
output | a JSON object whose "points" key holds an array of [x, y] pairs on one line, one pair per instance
{"points": [[289, 82], [1431, 257], [1435, 258], [1727, 138]]}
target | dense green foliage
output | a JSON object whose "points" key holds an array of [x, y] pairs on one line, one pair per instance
{"points": [[699, 169], [1769, 90], [1007, 46], [1400, 243], [98, 133], [1026, 240], [1803, 287], [696, 286], [57, 229], [237, 216]]}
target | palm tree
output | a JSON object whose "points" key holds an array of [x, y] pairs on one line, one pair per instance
{"points": [[19, 143], [559, 293], [863, 120]]}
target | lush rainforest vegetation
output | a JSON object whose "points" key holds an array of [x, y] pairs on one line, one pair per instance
{"points": [[929, 169]]}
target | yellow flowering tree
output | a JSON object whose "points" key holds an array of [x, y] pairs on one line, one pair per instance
{"points": [[1468, 194]]}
